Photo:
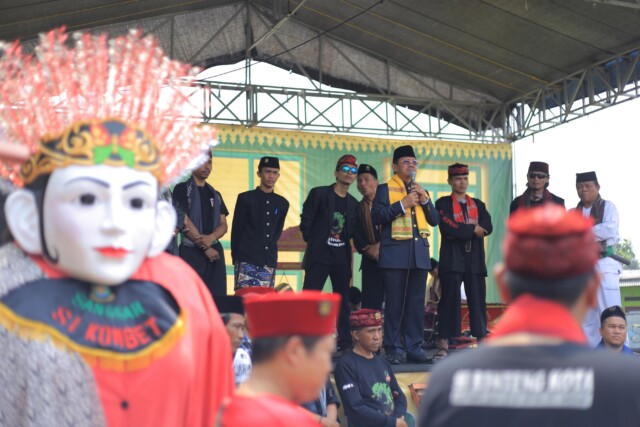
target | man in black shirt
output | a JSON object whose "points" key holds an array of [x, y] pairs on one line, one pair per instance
{"points": [[465, 222], [258, 220], [327, 223], [367, 386], [205, 223], [536, 193], [537, 369]]}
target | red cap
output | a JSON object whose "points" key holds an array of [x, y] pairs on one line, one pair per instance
{"points": [[254, 290], [307, 313], [550, 243], [365, 318]]}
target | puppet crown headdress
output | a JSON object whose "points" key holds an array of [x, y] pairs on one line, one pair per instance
{"points": [[116, 102]]}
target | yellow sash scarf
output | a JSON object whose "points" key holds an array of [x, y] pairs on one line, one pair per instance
{"points": [[402, 227]]}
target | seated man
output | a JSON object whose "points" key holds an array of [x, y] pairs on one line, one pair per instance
{"points": [[232, 313], [292, 346], [242, 356], [613, 330], [369, 391]]}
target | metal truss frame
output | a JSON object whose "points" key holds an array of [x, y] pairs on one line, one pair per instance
{"points": [[442, 116], [597, 87], [340, 112], [322, 109]]}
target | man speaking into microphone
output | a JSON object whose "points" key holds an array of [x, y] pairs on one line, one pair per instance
{"points": [[405, 211]]}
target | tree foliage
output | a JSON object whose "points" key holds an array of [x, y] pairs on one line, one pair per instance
{"points": [[625, 249]]}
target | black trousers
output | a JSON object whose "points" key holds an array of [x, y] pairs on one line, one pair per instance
{"points": [[404, 309], [213, 274], [372, 285], [316, 275], [449, 316]]}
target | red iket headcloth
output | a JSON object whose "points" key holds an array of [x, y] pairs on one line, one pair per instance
{"points": [[347, 159], [365, 318], [458, 169]]}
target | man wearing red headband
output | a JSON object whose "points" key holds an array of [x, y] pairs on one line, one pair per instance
{"points": [[465, 223], [292, 346], [367, 386], [327, 224], [537, 369]]}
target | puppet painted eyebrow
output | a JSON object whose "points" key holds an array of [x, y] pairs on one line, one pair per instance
{"points": [[135, 184], [106, 184], [88, 178]]}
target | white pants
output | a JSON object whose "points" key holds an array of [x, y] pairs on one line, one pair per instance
{"points": [[608, 295]]}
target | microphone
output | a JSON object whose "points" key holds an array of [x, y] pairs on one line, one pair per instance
{"points": [[413, 178]]}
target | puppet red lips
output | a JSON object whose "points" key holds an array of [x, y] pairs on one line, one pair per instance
{"points": [[110, 251]]}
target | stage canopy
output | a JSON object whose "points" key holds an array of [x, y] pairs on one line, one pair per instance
{"points": [[499, 69]]}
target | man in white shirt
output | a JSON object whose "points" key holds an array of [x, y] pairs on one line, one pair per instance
{"points": [[606, 232]]}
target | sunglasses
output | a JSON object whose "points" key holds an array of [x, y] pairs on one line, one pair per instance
{"points": [[538, 175], [349, 169]]}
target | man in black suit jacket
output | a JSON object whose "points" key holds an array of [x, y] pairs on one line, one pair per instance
{"points": [[404, 211], [327, 223], [258, 220]]}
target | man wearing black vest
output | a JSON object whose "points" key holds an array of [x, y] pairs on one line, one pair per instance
{"points": [[205, 223], [327, 222], [607, 223], [258, 220]]}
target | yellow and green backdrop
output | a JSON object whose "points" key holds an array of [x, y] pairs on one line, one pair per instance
{"points": [[308, 160]]}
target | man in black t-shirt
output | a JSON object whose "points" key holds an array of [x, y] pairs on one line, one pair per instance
{"points": [[327, 223], [205, 223], [536, 369], [368, 388]]}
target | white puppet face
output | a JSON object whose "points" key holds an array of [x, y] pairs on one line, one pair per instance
{"points": [[100, 222]]}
